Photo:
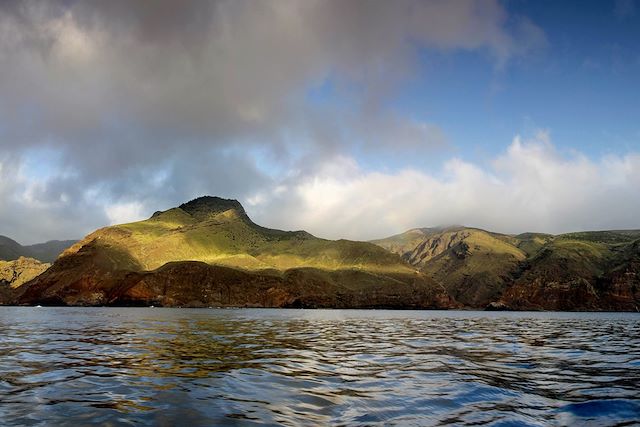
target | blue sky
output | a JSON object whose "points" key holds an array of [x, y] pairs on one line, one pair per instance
{"points": [[347, 118], [583, 85]]}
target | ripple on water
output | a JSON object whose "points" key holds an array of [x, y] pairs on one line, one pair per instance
{"points": [[70, 366]]}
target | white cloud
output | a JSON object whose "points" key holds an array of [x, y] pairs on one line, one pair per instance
{"points": [[529, 187], [121, 213]]}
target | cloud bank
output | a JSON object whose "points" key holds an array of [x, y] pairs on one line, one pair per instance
{"points": [[112, 110], [529, 187]]}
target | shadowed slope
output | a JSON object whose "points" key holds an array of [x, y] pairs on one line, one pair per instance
{"points": [[585, 271], [575, 271], [45, 252], [10, 249]]}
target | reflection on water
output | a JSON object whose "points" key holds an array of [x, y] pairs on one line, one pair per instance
{"points": [[129, 366]]}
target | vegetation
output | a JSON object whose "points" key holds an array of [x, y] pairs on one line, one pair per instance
{"points": [[211, 234], [17, 272], [208, 251], [585, 270]]}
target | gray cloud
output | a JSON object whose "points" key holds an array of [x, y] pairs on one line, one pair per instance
{"points": [[156, 103]]}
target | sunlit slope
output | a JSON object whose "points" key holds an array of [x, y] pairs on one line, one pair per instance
{"points": [[404, 243], [531, 243], [474, 266], [216, 231], [17, 272]]}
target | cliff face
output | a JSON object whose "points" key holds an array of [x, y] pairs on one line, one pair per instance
{"points": [[474, 266], [576, 271], [209, 253], [196, 284]]}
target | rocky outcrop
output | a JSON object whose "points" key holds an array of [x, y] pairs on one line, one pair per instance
{"points": [[579, 278], [14, 274], [208, 252], [475, 266]]}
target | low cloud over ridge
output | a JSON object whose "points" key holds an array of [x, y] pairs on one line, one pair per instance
{"points": [[529, 187]]}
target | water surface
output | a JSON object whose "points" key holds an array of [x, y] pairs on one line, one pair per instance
{"points": [[152, 366]]}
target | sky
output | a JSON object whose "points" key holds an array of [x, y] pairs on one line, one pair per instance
{"points": [[349, 119]]}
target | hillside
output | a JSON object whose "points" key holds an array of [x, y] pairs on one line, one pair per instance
{"points": [[16, 273], [45, 252], [575, 271], [209, 252], [581, 271], [10, 249], [473, 265]]}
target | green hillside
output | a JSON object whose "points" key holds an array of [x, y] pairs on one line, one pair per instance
{"points": [[218, 231], [472, 264], [200, 239], [583, 270]]}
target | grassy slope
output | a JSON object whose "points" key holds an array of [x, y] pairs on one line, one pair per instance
{"points": [[230, 239], [477, 266], [474, 266], [153, 260], [208, 252], [17, 272], [401, 243]]}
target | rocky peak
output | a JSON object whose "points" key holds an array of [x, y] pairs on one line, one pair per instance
{"points": [[206, 206]]}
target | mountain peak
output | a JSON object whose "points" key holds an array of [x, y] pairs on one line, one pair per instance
{"points": [[211, 205]]}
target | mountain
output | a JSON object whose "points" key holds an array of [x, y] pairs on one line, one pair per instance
{"points": [[208, 252], [10, 249], [597, 270], [474, 265], [44, 252]]}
